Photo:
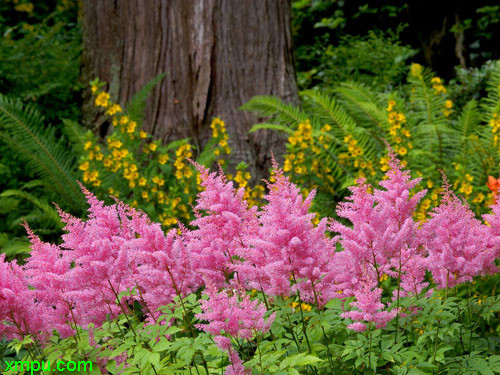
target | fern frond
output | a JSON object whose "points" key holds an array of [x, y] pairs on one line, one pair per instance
{"points": [[363, 105], [266, 125], [491, 104], [47, 211], [136, 105], [75, 133], [23, 131], [13, 247], [281, 113], [327, 111], [433, 132], [468, 128]]}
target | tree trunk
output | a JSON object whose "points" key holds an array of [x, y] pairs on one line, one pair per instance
{"points": [[216, 54]]}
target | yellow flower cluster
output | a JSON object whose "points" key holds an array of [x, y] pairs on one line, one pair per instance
{"points": [[303, 306], [122, 159], [437, 85], [182, 170], [102, 99], [355, 157], [416, 70], [448, 105], [301, 141], [220, 134], [305, 157], [464, 182], [495, 129], [253, 196], [400, 134], [428, 202]]}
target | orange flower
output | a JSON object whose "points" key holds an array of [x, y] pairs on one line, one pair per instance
{"points": [[493, 184]]}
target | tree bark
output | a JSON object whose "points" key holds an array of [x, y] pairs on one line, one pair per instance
{"points": [[216, 55]]}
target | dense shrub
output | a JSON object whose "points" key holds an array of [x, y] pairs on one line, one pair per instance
{"points": [[269, 288]]}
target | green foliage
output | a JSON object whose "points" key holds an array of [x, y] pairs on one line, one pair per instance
{"points": [[343, 135], [136, 106], [40, 55], [143, 172], [375, 60], [451, 333], [24, 131]]}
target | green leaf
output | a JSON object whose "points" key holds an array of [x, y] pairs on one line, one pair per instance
{"points": [[479, 364], [266, 125], [300, 359]]}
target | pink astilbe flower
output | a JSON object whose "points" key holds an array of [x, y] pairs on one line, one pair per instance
{"points": [[163, 267], [493, 222], [287, 246], [235, 316], [370, 309], [457, 243], [46, 270], [101, 260], [383, 239], [218, 238], [236, 367], [20, 313]]}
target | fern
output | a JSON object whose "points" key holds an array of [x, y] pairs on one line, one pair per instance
{"points": [[325, 109], [491, 104], [75, 133], [468, 143], [136, 106], [14, 247], [364, 105], [433, 131], [280, 113], [23, 131], [45, 212], [328, 111]]}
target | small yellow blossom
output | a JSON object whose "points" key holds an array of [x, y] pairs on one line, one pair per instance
{"points": [[115, 108], [102, 100], [84, 166], [124, 120], [131, 126]]}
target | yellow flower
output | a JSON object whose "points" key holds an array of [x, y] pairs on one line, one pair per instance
{"points": [[142, 181], [124, 120], [416, 70], [87, 145], [153, 146], [143, 134], [287, 166], [115, 108], [162, 159], [448, 104], [102, 100], [84, 166], [402, 151], [131, 126], [145, 195]]}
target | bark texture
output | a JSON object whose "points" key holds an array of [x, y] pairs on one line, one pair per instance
{"points": [[216, 55]]}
